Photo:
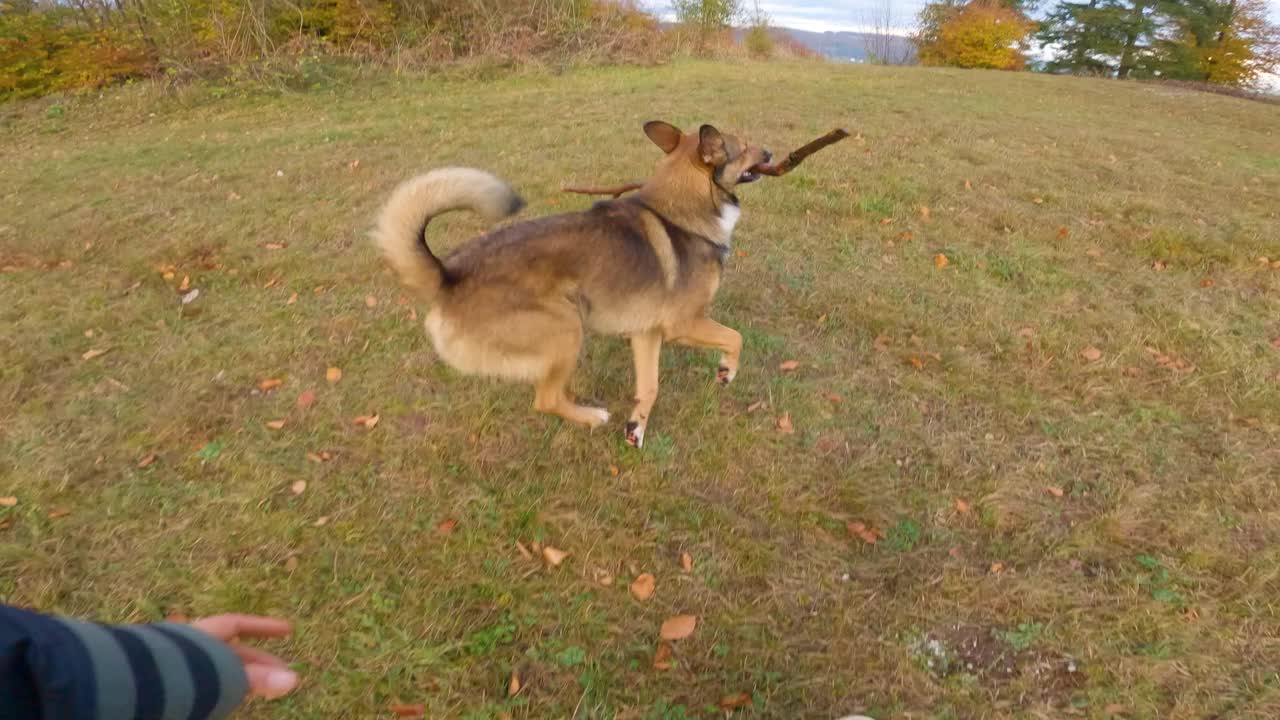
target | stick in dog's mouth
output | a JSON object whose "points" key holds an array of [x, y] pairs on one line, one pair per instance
{"points": [[789, 163]]}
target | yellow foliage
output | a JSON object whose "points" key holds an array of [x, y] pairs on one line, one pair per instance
{"points": [[982, 34]]}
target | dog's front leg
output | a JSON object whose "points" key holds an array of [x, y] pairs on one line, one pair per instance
{"points": [[705, 332], [646, 347]]}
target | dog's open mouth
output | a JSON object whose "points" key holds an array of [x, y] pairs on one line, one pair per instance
{"points": [[748, 176]]}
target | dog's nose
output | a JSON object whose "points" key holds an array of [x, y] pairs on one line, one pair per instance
{"points": [[768, 156]]}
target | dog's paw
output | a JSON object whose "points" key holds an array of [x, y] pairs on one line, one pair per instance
{"points": [[635, 434], [725, 375], [595, 417]]}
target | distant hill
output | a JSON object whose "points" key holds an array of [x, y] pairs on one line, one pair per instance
{"points": [[848, 46]]}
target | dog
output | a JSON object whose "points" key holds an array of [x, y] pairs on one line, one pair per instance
{"points": [[516, 302]]}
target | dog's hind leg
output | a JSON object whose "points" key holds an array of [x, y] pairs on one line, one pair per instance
{"points": [[646, 347], [551, 393], [705, 332]]}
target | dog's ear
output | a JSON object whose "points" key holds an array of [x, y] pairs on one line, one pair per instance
{"points": [[663, 134], [711, 146]]}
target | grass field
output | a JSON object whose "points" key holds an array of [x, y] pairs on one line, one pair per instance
{"points": [[1038, 481]]}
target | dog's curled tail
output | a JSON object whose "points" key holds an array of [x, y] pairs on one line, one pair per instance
{"points": [[401, 232]]}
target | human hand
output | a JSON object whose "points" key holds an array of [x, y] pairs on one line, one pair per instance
{"points": [[269, 676]]}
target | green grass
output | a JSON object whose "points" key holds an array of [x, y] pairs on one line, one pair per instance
{"points": [[1153, 576]]}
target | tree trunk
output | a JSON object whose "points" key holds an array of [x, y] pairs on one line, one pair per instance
{"points": [[1131, 40]]}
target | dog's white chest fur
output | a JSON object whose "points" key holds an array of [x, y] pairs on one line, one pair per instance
{"points": [[729, 215]]}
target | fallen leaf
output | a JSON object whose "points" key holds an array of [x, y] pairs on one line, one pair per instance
{"points": [[678, 627], [270, 384], [191, 296], [298, 487], [602, 576], [614, 470], [1115, 709], [291, 563], [553, 557], [524, 551], [147, 461], [446, 526], [405, 710], [366, 421], [353, 164], [1159, 265], [293, 298], [906, 235], [274, 246], [1091, 354], [175, 615], [755, 406], [962, 506], [314, 458], [1131, 372], [997, 568], [1275, 343], [733, 702], [233, 196], [881, 343], [1037, 200], [1063, 232], [784, 424], [370, 301], [954, 552], [91, 354], [167, 275], [643, 586], [58, 513], [321, 521], [868, 535], [924, 213], [833, 398], [740, 253], [306, 398], [662, 657], [968, 185], [686, 562], [275, 424], [88, 333], [1054, 491], [916, 362], [1206, 283], [940, 261], [515, 684], [788, 365], [333, 374], [1094, 252], [185, 285], [886, 221], [1026, 332], [8, 501]]}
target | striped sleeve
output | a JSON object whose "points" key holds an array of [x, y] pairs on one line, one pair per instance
{"points": [[74, 670]]}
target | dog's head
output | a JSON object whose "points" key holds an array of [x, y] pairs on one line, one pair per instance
{"points": [[727, 158]]}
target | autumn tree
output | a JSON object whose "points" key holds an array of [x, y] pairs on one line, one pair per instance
{"points": [[978, 34], [706, 17]]}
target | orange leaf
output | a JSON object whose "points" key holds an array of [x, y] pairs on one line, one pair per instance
{"points": [[602, 576], [352, 166], [298, 487], [788, 365], [962, 506], [997, 568], [321, 521], [553, 557], [185, 285], [314, 458], [924, 213], [1063, 232], [366, 421], [147, 461], [291, 563], [784, 424], [833, 398], [886, 221], [447, 526], [275, 424], [868, 535], [1091, 354], [515, 684], [968, 185], [333, 374], [755, 406], [274, 246], [270, 384], [1054, 491], [686, 562], [306, 399], [940, 261], [1094, 252], [733, 702], [408, 711], [293, 298], [271, 282], [1038, 200], [614, 470], [58, 513], [916, 362], [678, 627], [643, 586], [954, 552], [524, 551], [1206, 283], [740, 253], [91, 354], [370, 301], [1275, 343], [8, 501], [662, 658]]}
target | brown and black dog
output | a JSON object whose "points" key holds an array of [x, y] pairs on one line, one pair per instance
{"points": [[517, 301]]}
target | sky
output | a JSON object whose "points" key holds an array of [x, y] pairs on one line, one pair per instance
{"points": [[854, 15]]}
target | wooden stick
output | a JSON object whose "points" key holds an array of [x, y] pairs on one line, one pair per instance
{"points": [[615, 192], [789, 163]]}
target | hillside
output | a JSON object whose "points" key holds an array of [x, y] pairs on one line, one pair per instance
{"points": [[1030, 468]]}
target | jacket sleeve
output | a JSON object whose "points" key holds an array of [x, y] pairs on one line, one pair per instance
{"points": [[61, 669]]}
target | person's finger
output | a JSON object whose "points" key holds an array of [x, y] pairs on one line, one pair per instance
{"points": [[226, 627], [253, 656], [270, 682]]}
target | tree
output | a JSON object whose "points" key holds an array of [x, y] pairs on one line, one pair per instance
{"points": [[881, 44], [981, 34], [758, 40], [706, 17]]}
